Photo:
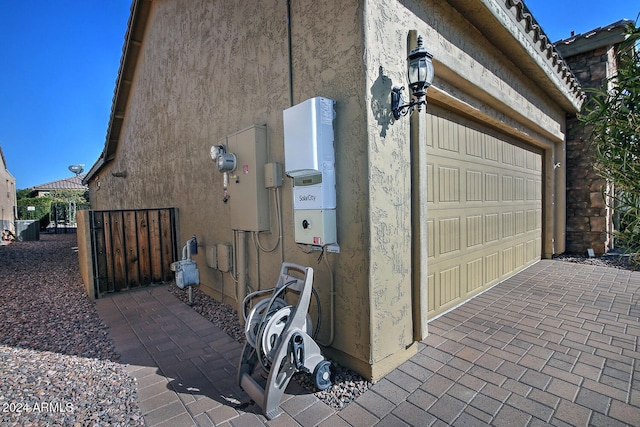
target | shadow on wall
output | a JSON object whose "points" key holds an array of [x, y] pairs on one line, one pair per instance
{"points": [[381, 101]]}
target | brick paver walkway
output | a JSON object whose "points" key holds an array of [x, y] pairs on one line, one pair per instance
{"points": [[554, 345]]}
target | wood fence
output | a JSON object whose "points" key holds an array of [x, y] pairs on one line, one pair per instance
{"points": [[130, 248]]}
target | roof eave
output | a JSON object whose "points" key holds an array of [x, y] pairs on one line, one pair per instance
{"points": [[510, 26], [600, 37], [136, 26]]}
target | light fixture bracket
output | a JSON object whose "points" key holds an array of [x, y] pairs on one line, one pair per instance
{"points": [[397, 98], [420, 75]]}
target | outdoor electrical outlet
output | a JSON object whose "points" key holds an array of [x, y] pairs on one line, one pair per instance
{"points": [[212, 256], [225, 257]]}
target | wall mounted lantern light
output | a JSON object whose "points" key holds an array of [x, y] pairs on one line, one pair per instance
{"points": [[420, 75]]}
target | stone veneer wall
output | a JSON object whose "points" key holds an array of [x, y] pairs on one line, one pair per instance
{"points": [[589, 219]]}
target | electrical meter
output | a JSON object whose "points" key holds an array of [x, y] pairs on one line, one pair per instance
{"points": [[226, 162]]}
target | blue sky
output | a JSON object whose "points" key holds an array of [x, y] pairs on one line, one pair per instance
{"points": [[60, 61], [559, 17]]}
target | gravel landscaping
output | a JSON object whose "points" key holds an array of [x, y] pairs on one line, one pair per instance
{"points": [[614, 259], [57, 363], [347, 384]]}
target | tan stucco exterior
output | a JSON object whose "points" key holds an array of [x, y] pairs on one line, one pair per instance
{"points": [[196, 71]]}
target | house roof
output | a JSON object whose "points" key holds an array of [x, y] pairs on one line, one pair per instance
{"points": [[600, 37], [511, 27], [546, 46], [71, 183]]}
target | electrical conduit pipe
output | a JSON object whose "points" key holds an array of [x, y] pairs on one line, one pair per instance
{"points": [[241, 291]]}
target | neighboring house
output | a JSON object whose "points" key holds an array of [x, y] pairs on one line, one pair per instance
{"points": [[7, 196], [590, 218], [68, 194], [432, 208], [73, 183]]}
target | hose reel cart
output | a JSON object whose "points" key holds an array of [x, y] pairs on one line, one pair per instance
{"points": [[279, 341]]}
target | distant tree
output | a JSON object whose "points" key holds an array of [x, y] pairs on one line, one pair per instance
{"points": [[41, 208], [65, 196], [45, 207], [24, 193], [613, 114]]}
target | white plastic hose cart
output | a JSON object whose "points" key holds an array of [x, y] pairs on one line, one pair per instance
{"points": [[279, 343]]}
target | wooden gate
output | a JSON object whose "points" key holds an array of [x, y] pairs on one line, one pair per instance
{"points": [[132, 248]]}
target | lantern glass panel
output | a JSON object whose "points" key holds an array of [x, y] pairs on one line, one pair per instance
{"points": [[428, 71], [414, 72]]}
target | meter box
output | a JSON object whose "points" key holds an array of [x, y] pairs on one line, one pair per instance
{"points": [[187, 273], [249, 199]]}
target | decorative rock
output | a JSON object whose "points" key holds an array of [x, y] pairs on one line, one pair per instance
{"points": [[347, 384], [58, 365]]}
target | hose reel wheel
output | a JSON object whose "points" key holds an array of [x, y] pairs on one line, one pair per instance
{"points": [[256, 315], [322, 375], [274, 328]]}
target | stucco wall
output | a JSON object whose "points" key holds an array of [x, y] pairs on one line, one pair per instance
{"points": [[473, 78], [209, 69], [327, 51]]}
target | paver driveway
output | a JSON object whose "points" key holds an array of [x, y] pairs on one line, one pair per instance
{"points": [[556, 344]]}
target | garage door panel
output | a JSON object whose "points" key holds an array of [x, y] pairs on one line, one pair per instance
{"points": [[508, 225], [475, 230], [431, 181], [519, 256], [475, 274], [474, 186], [508, 263], [431, 239], [449, 184], [492, 267], [450, 286], [480, 270], [431, 290], [484, 210], [478, 185], [449, 233]]}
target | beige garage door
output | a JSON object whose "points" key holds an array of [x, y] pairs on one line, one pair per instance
{"points": [[484, 209]]}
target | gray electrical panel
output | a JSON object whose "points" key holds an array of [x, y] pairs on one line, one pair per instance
{"points": [[249, 199]]}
